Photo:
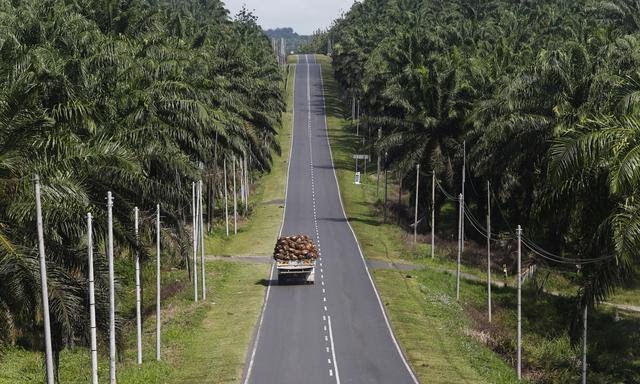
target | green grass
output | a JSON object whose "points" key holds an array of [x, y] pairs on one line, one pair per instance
{"points": [[431, 327], [204, 342], [257, 235], [447, 341]]}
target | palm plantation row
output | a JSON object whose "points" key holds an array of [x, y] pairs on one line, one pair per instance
{"points": [[140, 98], [545, 95], [548, 113]]}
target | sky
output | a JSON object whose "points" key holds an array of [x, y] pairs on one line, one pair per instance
{"points": [[304, 16]]}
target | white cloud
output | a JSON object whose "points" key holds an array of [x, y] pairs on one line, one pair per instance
{"points": [[304, 16]]}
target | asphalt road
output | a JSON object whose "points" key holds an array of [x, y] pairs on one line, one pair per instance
{"points": [[334, 331]]}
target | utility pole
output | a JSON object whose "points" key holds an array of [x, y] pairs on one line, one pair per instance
{"points": [[464, 172], [489, 248], [112, 295], [43, 282], [194, 210], [235, 203], [519, 280], [460, 240], [158, 288], [385, 187], [246, 184], [92, 304], [379, 157], [201, 227], [138, 291], [433, 214], [226, 199], [358, 117], [415, 215], [584, 344]]}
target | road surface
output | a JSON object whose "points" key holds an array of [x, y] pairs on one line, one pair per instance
{"points": [[334, 331]]}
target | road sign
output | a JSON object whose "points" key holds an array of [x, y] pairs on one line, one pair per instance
{"points": [[361, 157], [357, 181]]}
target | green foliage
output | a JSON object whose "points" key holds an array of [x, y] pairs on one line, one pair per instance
{"points": [[140, 98], [545, 95]]}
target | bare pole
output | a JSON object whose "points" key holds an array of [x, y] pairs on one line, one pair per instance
{"points": [[489, 250], [226, 199], [92, 304], [158, 320], [385, 187], [433, 214], [241, 166], [461, 203], [519, 280], [584, 344], [358, 117], [379, 165], [112, 296], [45, 289], [194, 209], [415, 215], [464, 172], [235, 202], [246, 184], [201, 227], [138, 292]]}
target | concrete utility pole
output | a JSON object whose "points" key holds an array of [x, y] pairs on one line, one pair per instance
{"points": [[489, 249], [201, 227], [158, 288], [235, 203], [433, 214], [584, 345], [138, 289], [460, 240], [226, 199], [464, 172], [385, 187], [194, 210], [415, 215], [43, 282], [379, 157], [246, 184], [112, 293], [241, 177], [92, 304], [519, 280], [358, 117]]}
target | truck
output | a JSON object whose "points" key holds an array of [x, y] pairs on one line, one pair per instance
{"points": [[295, 257], [296, 270]]}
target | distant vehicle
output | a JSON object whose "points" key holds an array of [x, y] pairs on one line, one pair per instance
{"points": [[295, 258]]}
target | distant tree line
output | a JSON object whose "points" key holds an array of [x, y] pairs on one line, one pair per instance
{"points": [[293, 41]]}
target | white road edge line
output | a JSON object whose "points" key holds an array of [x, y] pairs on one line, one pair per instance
{"points": [[384, 313], [333, 351], [284, 212]]}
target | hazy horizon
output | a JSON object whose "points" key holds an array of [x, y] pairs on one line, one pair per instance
{"points": [[304, 16]]}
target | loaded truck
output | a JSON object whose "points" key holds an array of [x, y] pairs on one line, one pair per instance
{"points": [[295, 257]]}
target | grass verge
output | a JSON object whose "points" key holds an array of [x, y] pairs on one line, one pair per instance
{"points": [[204, 342]]}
